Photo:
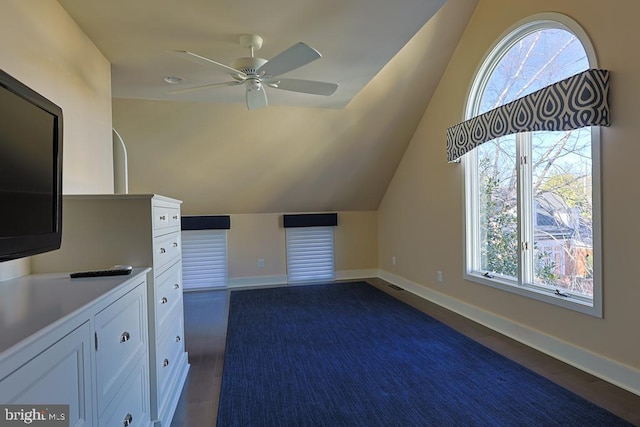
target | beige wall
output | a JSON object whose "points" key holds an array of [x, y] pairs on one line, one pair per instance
{"points": [[59, 61], [421, 215], [261, 236], [356, 241], [221, 158], [253, 237], [43, 47], [419, 220]]}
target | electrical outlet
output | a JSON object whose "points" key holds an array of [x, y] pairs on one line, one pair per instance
{"points": [[260, 263], [393, 260], [440, 278]]}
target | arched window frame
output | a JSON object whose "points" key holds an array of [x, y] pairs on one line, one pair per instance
{"points": [[489, 63]]}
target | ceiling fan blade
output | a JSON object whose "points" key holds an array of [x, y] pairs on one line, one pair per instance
{"points": [[296, 56], [304, 86], [202, 60], [189, 89], [256, 96]]}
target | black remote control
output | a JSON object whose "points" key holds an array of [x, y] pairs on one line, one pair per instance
{"points": [[115, 271]]}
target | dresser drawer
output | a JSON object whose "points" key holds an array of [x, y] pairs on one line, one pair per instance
{"points": [[165, 218], [129, 408], [166, 249], [120, 342], [60, 375], [168, 293], [171, 347]]}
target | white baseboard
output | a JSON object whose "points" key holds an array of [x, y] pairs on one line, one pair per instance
{"points": [[602, 367], [269, 281], [256, 281], [356, 274]]}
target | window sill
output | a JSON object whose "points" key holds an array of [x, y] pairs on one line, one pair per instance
{"points": [[571, 303]]}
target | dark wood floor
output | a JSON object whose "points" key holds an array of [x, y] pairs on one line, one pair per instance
{"points": [[205, 334]]}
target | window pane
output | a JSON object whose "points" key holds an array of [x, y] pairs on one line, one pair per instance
{"points": [[533, 62], [497, 205], [530, 219], [562, 190]]}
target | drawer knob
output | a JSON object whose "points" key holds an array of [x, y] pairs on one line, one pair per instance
{"points": [[163, 218], [178, 339], [125, 336], [175, 244], [127, 420], [163, 250], [164, 300], [165, 363], [176, 286]]}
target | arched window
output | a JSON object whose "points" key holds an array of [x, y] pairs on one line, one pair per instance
{"points": [[532, 198]]}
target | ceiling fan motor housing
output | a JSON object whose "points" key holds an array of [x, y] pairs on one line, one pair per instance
{"points": [[248, 65]]}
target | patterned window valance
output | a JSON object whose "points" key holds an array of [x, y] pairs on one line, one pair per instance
{"points": [[572, 103]]}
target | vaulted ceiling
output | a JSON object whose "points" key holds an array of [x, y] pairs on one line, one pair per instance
{"points": [[303, 152]]}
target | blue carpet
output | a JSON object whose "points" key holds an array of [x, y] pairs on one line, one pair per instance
{"points": [[351, 355]]}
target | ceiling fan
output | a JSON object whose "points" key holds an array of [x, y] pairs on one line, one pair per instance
{"points": [[256, 73]]}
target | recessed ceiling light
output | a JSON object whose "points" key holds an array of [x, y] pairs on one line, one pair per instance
{"points": [[173, 80]]}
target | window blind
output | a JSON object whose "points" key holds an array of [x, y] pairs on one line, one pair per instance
{"points": [[310, 254], [204, 258]]}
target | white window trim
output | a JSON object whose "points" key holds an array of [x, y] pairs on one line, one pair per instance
{"points": [[507, 40]]}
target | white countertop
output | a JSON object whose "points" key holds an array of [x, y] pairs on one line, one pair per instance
{"points": [[30, 303]]}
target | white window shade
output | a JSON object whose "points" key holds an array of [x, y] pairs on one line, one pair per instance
{"points": [[204, 259], [310, 254]]}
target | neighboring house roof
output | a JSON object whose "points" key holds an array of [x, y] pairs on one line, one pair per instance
{"points": [[555, 219]]}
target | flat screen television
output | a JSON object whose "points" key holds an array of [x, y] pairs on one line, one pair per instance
{"points": [[30, 171]]}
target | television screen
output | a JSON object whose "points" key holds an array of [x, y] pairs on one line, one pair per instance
{"points": [[30, 171]]}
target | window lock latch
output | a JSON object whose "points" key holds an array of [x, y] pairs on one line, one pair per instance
{"points": [[561, 294]]}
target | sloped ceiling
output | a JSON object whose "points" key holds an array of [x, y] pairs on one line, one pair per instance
{"points": [[297, 155], [356, 37]]}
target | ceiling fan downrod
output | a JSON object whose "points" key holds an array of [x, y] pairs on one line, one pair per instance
{"points": [[251, 41]]}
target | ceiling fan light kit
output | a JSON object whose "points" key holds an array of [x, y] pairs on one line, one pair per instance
{"points": [[255, 72]]}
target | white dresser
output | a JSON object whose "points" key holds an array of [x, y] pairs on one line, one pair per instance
{"points": [[140, 230], [77, 342]]}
